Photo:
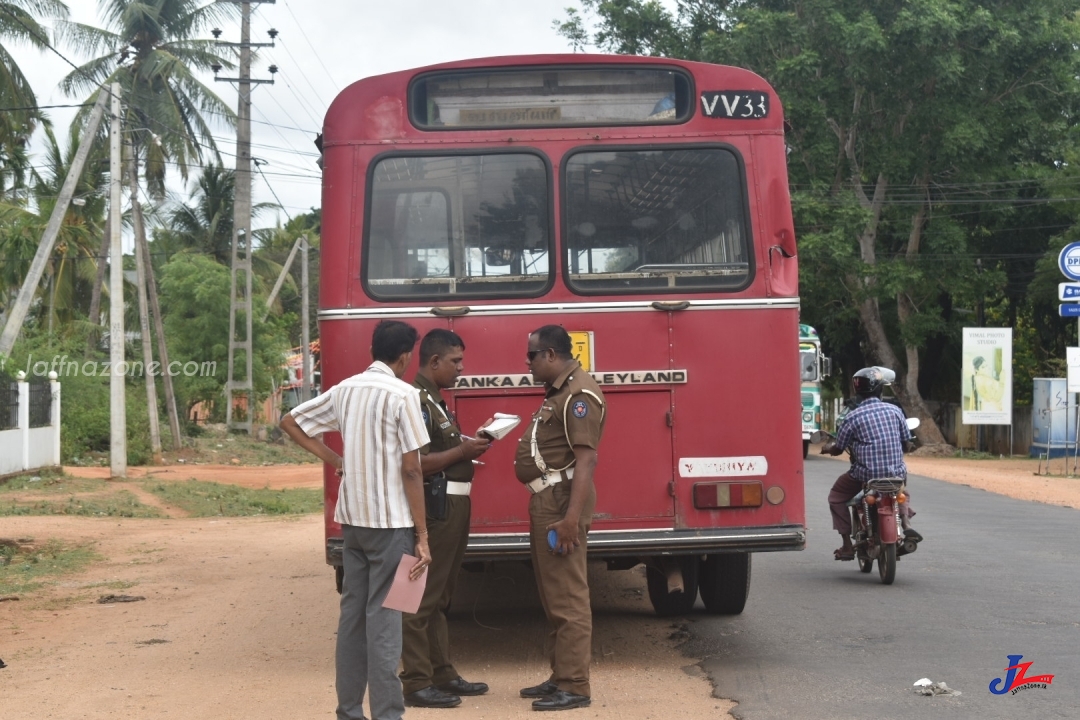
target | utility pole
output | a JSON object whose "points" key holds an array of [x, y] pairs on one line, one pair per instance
{"points": [[305, 331], [240, 292], [144, 309], [117, 410], [13, 326]]}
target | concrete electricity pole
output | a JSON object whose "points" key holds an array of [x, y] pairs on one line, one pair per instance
{"points": [[240, 293], [141, 270], [41, 258], [117, 366], [305, 331]]}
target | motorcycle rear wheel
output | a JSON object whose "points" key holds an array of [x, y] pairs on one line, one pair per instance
{"points": [[887, 564], [865, 564]]}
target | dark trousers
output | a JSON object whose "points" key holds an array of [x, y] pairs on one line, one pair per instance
{"points": [[369, 635], [425, 651], [563, 583]]}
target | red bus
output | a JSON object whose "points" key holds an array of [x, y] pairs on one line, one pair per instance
{"points": [[642, 203]]}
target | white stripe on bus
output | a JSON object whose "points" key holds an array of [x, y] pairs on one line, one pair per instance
{"points": [[559, 308]]}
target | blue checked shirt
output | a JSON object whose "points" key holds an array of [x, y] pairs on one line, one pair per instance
{"points": [[875, 432]]}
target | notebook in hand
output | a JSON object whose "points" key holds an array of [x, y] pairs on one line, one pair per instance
{"points": [[501, 426]]}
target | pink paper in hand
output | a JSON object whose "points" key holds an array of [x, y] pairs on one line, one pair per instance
{"points": [[405, 594]]}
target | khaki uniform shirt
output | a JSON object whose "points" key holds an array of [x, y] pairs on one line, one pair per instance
{"points": [[572, 414], [442, 429]]}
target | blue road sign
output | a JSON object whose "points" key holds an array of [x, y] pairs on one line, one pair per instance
{"points": [[1069, 261], [1069, 292], [1069, 310]]}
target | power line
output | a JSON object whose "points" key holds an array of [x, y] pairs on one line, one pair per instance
{"points": [[300, 27]]}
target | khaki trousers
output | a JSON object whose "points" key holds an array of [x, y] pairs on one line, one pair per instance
{"points": [[563, 583], [425, 650]]}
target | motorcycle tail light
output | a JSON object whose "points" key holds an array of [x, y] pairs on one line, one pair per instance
{"points": [[901, 498], [871, 499], [719, 495]]}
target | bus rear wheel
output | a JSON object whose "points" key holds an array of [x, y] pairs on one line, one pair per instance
{"points": [[805, 448], [725, 582], [667, 603]]}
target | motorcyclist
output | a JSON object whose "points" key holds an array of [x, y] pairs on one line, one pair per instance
{"points": [[877, 435]]}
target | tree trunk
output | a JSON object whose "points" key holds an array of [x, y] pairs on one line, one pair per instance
{"points": [[95, 296], [907, 389], [159, 328], [144, 320]]}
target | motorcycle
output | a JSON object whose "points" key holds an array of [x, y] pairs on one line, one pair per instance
{"points": [[875, 521]]}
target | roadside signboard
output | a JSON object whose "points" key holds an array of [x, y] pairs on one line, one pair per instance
{"points": [[1069, 261], [1069, 292], [986, 381], [1070, 310]]}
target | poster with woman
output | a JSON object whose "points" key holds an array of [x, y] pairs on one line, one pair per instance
{"points": [[986, 378]]}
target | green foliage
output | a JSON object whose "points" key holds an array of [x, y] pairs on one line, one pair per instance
{"points": [[25, 568], [208, 499], [198, 339], [961, 112]]}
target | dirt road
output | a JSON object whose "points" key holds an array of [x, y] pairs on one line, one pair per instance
{"points": [[239, 617]]}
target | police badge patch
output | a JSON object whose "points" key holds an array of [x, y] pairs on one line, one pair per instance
{"points": [[580, 409], [427, 417]]}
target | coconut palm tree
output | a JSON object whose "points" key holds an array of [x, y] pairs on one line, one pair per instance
{"points": [[19, 24], [151, 48]]}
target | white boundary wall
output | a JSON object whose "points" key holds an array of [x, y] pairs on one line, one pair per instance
{"points": [[24, 448]]}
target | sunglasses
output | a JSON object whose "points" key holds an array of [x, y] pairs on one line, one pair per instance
{"points": [[531, 354]]}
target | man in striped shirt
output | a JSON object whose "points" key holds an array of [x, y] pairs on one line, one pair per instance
{"points": [[380, 507]]}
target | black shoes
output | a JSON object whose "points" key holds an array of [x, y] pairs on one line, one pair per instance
{"points": [[542, 690], [432, 697], [561, 700], [461, 686]]}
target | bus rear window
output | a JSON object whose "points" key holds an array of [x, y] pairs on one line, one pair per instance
{"points": [[458, 226], [656, 220], [544, 97]]}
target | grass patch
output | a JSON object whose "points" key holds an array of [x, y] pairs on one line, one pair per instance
{"points": [[51, 484], [121, 503], [25, 568], [210, 499]]}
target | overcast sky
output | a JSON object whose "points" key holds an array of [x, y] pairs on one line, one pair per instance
{"points": [[323, 46]]}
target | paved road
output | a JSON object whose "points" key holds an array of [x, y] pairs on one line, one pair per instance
{"points": [[818, 639]]}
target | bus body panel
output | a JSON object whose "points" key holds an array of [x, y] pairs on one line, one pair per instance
{"points": [[738, 348]]}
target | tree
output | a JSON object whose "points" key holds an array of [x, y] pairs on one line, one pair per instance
{"points": [[19, 23], [199, 340], [150, 47], [905, 117]]}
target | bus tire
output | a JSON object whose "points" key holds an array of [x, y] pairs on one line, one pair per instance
{"points": [[677, 603], [339, 577], [805, 448], [725, 582]]}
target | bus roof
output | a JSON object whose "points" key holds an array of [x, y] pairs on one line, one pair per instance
{"points": [[808, 334], [376, 109]]}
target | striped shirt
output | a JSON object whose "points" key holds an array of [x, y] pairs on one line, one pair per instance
{"points": [[875, 431], [379, 419]]}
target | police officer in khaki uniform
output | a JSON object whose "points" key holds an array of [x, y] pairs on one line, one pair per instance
{"points": [[428, 678], [556, 459]]}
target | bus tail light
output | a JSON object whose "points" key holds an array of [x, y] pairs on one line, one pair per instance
{"points": [[727, 495]]}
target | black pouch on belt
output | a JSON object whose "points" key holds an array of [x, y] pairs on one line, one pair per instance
{"points": [[435, 496]]}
